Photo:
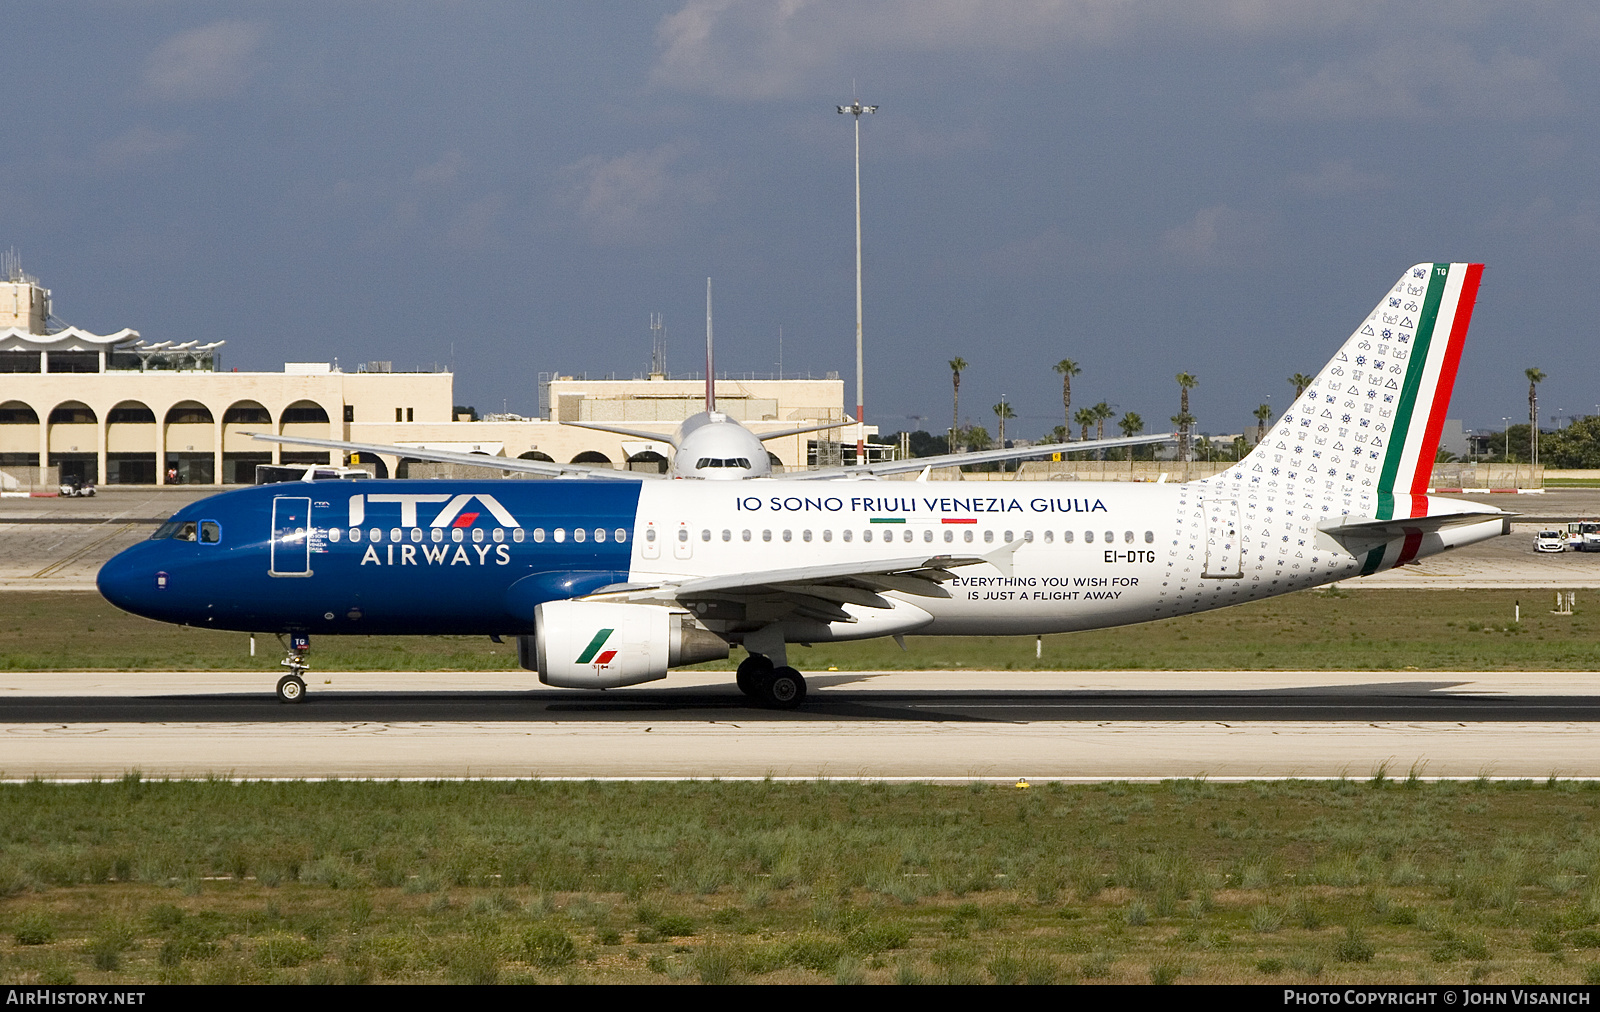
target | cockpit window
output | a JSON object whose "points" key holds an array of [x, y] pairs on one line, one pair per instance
{"points": [[165, 531], [180, 530], [210, 532], [186, 531], [743, 462]]}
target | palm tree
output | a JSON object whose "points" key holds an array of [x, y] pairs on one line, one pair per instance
{"points": [[1535, 377], [1185, 382], [1068, 369], [1003, 411], [1263, 415], [1300, 381], [1084, 417], [1131, 425], [957, 364], [1181, 421], [1102, 411]]}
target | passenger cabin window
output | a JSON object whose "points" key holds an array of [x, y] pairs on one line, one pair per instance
{"points": [[560, 534], [1066, 537], [1149, 537], [1088, 537], [578, 535], [1128, 537], [538, 534]]}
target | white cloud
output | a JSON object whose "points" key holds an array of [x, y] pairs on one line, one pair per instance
{"points": [[139, 145], [445, 170], [1215, 236], [1409, 81], [755, 51], [1337, 179], [636, 197], [203, 63]]}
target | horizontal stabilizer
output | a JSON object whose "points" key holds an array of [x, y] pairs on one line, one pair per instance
{"points": [[1350, 528]]}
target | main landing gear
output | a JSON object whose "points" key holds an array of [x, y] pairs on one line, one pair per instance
{"points": [[292, 687], [777, 688]]}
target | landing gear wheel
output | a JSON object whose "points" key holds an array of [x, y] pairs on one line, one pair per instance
{"points": [[754, 672], [785, 689], [291, 689]]}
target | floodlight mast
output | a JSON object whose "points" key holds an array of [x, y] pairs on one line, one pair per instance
{"points": [[855, 109]]}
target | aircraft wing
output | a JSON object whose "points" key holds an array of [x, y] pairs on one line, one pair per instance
{"points": [[658, 437], [815, 592], [548, 468], [764, 436], [977, 457]]}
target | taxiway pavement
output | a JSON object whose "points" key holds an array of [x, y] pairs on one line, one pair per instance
{"points": [[903, 725]]}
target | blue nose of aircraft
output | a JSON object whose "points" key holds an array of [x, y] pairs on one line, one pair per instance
{"points": [[132, 581]]}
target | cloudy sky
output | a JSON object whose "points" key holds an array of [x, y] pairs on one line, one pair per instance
{"points": [[1223, 187]]}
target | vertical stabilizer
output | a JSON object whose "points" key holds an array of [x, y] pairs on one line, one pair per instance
{"points": [[1369, 423], [711, 374]]}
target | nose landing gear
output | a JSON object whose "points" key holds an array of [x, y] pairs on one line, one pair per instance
{"points": [[292, 687]]}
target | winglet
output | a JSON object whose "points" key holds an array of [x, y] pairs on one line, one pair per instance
{"points": [[1001, 559]]}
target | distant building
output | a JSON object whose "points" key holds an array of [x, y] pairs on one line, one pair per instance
{"points": [[115, 409]]}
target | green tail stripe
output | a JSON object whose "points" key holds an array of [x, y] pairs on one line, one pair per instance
{"points": [[888, 520], [595, 645], [1374, 558], [1400, 432], [1383, 509]]}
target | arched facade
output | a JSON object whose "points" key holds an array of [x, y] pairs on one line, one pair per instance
{"points": [[132, 438], [241, 453]]}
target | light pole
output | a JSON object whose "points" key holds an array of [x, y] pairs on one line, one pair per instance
{"points": [[855, 109]]}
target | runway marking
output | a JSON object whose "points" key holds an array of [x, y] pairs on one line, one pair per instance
{"points": [[75, 556]]}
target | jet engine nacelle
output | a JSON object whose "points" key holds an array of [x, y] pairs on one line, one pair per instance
{"points": [[594, 645]]}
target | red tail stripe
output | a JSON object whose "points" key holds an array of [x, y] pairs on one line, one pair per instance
{"points": [[1409, 551], [1447, 380]]}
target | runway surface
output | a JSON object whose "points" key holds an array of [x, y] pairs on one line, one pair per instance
{"points": [[926, 726]]}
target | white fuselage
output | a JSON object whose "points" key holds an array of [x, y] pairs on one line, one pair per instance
{"points": [[1091, 555]]}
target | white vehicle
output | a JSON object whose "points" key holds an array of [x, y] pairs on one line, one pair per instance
{"points": [[1550, 541], [1584, 536]]}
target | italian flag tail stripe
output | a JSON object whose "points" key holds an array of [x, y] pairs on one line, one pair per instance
{"points": [[1464, 302], [1441, 328]]}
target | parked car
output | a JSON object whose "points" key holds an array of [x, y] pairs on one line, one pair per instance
{"points": [[1550, 541]]}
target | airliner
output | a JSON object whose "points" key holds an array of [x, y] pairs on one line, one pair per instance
{"points": [[710, 445], [608, 583]]}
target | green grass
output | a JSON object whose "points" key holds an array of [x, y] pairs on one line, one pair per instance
{"points": [[1372, 881], [1439, 630]]}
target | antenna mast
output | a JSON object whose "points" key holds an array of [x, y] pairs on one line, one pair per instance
{"points": [[711, 382], [658, 346]]}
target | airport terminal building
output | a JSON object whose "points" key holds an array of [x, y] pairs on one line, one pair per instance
{"points": [[116, 409]]}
